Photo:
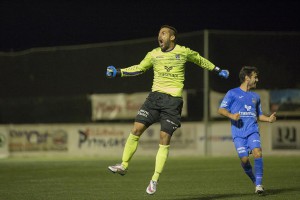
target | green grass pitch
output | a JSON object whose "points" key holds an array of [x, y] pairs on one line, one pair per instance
{"points": [[192, 178]]}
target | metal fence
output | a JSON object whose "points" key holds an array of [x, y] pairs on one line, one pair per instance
{"points": [[53, 84]]}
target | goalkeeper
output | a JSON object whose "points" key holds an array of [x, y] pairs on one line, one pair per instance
{"points": [[164, 103]]}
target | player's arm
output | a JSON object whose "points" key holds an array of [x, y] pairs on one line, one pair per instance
{"points": [[226, 113], [134, 70], [195, 57], [261, 116], [271, 118], [225, 107]]}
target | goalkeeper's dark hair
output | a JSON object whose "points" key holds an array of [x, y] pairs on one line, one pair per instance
{"points": [[171, 28], [247, 71]]}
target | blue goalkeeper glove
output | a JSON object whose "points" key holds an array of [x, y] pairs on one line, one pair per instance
{"points": [[223, 73], [111, 72]]}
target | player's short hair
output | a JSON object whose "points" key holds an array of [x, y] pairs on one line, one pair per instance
{"points": [[247, 71], [172, 28]]}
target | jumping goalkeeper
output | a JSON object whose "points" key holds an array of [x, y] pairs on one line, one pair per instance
{"points": [[164, 103]]}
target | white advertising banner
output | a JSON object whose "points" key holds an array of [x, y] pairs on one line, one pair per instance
{"points": [[37, 138], [108, 139], [286, 136], [221, 140], [101, 139], [121, 105], [98, 139]]}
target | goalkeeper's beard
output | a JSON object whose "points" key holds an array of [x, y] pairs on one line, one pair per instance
{"points": [[164, 46]]}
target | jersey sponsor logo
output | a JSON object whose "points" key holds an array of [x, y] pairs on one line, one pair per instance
{"points": [[248, 113], [248, 108], [168, 75], [241, 97], [168, 68]]}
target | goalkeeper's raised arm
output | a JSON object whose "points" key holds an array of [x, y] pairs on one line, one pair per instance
{"points": [[134, 70]]}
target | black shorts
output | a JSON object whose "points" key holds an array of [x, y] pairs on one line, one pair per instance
{"points": [[163, 108]]}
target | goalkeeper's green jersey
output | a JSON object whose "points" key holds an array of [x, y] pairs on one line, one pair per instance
{"points": [[168, 67]]}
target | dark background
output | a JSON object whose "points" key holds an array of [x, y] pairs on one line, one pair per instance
{"points": [[53, 85], [28, 24]]}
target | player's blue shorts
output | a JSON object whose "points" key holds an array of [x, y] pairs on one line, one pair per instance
{"points": [[244, 145]]}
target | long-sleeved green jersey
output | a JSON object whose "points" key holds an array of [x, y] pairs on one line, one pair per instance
{"points": [[169, 68]]}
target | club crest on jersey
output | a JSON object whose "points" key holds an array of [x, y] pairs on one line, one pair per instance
{"points": [[177, 56], [248, 108], [253, 100], [168, 68]]}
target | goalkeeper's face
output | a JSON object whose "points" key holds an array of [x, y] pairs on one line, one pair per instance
{"points": [[166, 39]]}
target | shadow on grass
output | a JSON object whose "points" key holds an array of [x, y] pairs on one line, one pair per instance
{"points": [[214, 196], [228, 196], [280, 190]]}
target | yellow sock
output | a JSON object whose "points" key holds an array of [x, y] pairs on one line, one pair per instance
{"points": [[129, 149], [161, 158]]}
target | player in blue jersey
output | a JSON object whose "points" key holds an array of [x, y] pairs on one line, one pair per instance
{"points": [[243, 108]]}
